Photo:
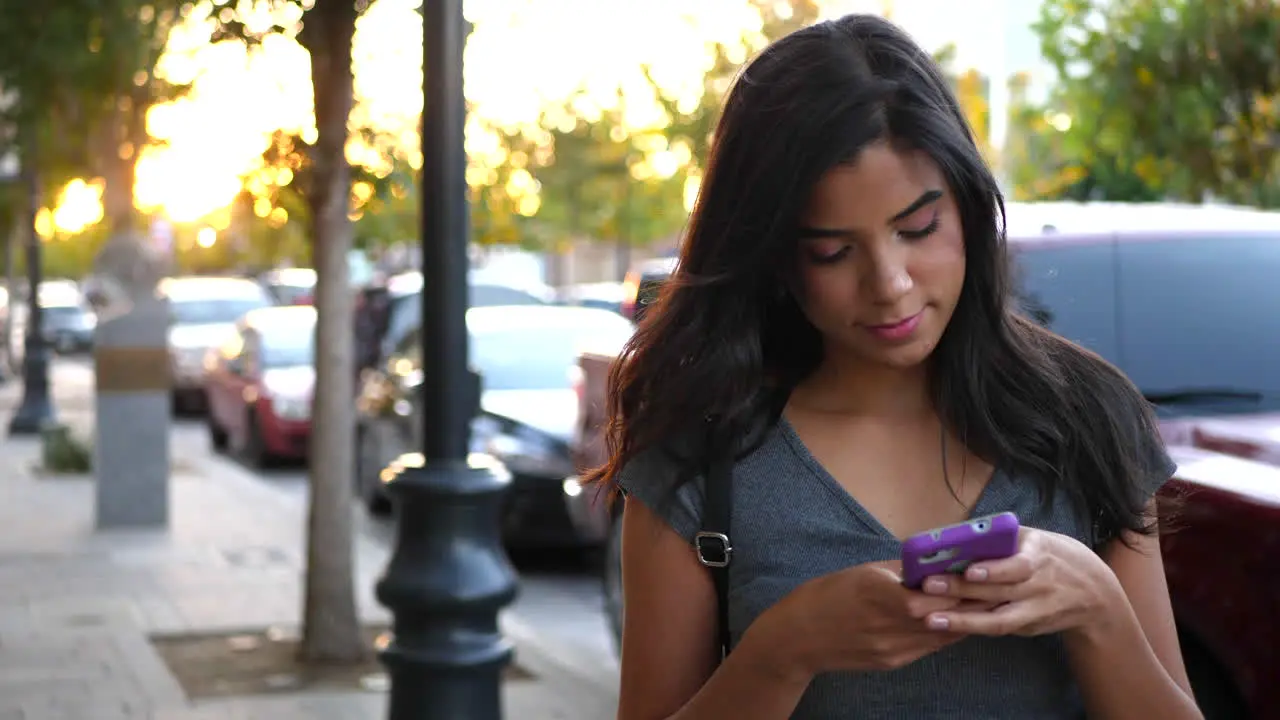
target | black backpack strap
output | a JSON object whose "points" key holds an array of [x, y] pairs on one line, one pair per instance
{"points": [[713, 545]]}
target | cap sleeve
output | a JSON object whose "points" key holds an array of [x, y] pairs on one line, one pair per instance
{"points": [[1155, 466], [1152, 461], [654, 478]]}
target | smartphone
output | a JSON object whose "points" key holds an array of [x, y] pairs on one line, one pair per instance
{"points": [[953, 548]]}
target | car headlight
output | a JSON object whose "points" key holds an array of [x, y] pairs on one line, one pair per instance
{"points": [[188, 359], [287, 408]]}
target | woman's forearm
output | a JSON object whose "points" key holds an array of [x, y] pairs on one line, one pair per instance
{"points": [[1119, 674], [757, 681]]}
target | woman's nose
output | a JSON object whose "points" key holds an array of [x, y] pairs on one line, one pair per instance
{"points": [[890, 280]]}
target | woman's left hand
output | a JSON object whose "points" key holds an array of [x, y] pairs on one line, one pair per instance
{"points": [[1052, 584]]}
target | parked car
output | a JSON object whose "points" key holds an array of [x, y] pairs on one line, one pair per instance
{"points": [[290, 286], [66, 320], [604, 295], [640, 288], [526, 358], [259, 384], [204, 312], [1185, 303], [387, 312]]}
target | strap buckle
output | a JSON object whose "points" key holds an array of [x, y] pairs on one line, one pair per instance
{"points": [[713, 549]]}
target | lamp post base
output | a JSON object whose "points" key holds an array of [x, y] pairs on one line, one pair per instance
{"points": [[36, 411], [447, 579]]}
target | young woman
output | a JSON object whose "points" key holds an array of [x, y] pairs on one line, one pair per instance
{"points": [[841, 311]]}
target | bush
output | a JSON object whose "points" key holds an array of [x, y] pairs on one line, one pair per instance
{"points": [[63, 452]]}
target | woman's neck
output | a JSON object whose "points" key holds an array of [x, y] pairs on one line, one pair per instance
{"points": [[844, 386]]}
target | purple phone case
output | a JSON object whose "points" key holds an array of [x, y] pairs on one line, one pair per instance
{"points": [[951, 549]]}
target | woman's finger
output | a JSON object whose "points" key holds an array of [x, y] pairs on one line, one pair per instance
{"points": [[954, 586], [1015, 569], [1004, 620]]}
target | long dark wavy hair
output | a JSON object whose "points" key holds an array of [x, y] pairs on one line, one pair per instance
{"points": [[725, 342]]}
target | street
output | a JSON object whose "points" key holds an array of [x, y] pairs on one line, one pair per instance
{"points": [[560, 599]]}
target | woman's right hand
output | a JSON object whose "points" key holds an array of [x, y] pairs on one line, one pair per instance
{"points": [[859, 619]]}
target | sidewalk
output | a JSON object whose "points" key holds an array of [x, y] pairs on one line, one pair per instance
{"points": [[77, 606]]}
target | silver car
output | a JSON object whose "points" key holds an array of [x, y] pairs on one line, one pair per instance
{"points": [[204, 311]]}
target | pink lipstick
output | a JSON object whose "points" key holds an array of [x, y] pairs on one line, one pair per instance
{"points": [[896, 331]]}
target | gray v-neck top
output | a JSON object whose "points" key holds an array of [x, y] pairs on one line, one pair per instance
{"points": [[793, 522]]}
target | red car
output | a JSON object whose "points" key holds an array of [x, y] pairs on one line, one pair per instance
{"points": [[259, 385], [1186, 301]]}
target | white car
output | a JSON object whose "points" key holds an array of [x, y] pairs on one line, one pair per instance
{"points": [[203, 311]]}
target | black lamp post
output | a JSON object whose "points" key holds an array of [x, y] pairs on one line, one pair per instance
{"points": [[448, 576], [36, 410]]}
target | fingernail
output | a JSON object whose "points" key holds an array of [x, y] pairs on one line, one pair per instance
{"points": [[935, 585], [937, 622], [977, 573]]}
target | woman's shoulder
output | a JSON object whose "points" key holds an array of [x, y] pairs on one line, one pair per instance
{"points": [[666, 479]]}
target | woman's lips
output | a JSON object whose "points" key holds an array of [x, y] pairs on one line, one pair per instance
{"points": [[900, 330]]}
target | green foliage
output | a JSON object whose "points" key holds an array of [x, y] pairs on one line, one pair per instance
{"points": [[1169, 98], [61, 452], [971, 89], [591, 172], [596, 182], [70, 64]]}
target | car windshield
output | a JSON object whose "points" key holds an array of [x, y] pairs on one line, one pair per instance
{"points": [[289, 348], [535, 358], [290, 294], [63, 311], [210, 311], [405, 314]]}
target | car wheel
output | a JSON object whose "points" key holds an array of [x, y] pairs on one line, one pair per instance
{"points": [[368, 471], [612, 577], [253, 451], [217, 435]]}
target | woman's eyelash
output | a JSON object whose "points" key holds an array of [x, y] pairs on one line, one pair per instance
{"points": [[923, 232], [837, 256], [830, 258]]}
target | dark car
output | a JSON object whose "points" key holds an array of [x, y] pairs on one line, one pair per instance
{"points": [[640, 288], [387, 312], [1191, 315], [526, 356]]}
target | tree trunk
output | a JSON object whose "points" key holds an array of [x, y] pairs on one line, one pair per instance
{"points": [[331, 624], [119, 150]]}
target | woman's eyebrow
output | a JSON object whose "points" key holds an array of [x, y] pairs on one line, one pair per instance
{"points": [[928, 197]]}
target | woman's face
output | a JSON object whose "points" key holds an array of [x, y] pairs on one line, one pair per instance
{"points": [[881, 259]]}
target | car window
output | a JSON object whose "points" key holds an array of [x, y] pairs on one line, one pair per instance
{"points": [[647, 293], [215, 311], [405, 314], [289, 347], [1202, 313], [534, 358], [410, 347], [403, 317], [1070, 288], [479, 295]]}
